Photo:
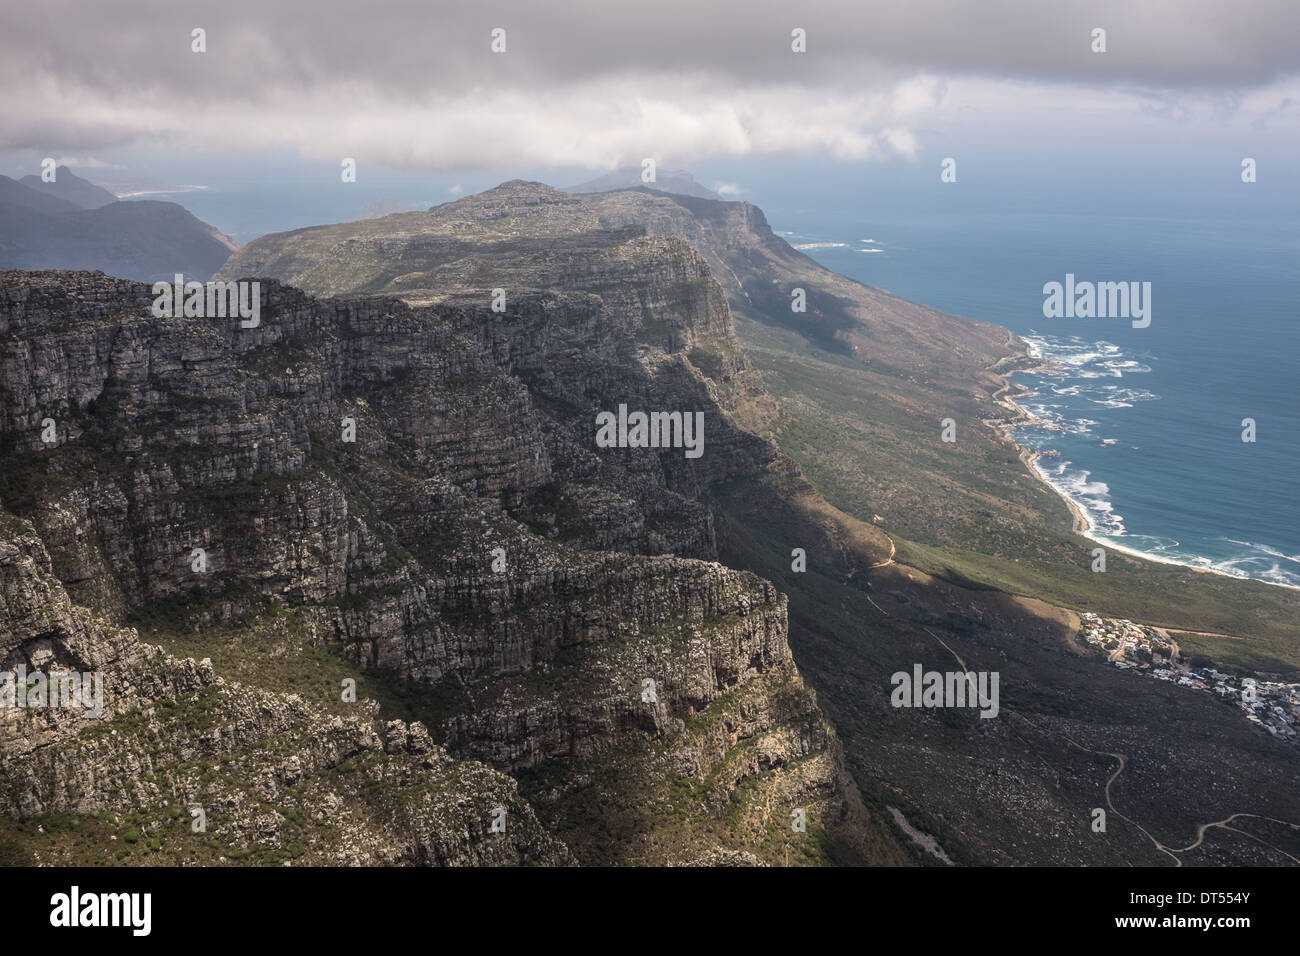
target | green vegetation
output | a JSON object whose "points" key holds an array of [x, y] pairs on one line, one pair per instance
{"points": [[971, 513]]}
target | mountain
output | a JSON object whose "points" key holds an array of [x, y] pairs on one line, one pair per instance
{"points": [[67, 185], [14, 195], [918, 550], [636, 655], [521, 684], [863, 380], [678, 182], [43, 228], [418, 255]]}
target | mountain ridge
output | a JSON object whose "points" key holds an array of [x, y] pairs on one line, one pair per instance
{"points": [[71, 187], [668, 181], [68, 224], [394, 569]]}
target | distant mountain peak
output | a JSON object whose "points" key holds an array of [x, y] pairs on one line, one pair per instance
{"points": [[68, 185], [629, 177]]}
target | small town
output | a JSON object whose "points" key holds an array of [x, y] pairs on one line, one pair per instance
{"points": [[1273, 705]]}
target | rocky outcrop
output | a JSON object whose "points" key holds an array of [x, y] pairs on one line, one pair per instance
{"points": [[461, 244], [272, 776], [417, 488]]}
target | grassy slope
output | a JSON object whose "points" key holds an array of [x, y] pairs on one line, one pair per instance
{"points": [[970, 511], [1019, 789]]}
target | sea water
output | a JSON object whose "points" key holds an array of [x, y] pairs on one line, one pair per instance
{"points": [[1143, 426]]}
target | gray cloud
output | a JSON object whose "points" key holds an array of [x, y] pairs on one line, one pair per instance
{"points": [[590, 79]]}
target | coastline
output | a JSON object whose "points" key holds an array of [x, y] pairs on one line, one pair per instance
{"points": [[1081, 525], [1019, 417]]}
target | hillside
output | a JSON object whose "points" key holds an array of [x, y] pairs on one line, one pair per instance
{"points": [[67, 225], [863, 380], [420, 255]]}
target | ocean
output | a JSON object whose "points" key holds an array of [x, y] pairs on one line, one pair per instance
{"points": [[1142, 427]]}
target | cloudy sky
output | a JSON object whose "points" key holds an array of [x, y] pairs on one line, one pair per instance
{"points": [[599, 83]]}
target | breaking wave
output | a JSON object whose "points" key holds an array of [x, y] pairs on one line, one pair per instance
{"points": [[1076, 374]]}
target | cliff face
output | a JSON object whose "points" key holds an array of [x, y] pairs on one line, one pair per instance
{"points": [[279, 778], [545, 615], [465, 244]]}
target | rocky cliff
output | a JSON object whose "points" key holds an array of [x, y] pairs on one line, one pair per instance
{"points": [[365, 586], [472, 242], [408, 498]]}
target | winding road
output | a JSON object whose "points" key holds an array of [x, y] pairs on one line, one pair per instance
{"points": [[1173, 852]]}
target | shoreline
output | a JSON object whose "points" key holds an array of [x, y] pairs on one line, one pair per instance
{"points": [[1081, 524]]}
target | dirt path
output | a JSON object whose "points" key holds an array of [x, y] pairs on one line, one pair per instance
{"points": [[1172, 852], [954, 654], [1200, 833], [883, 564], [1182, 630], [892, 551]]}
